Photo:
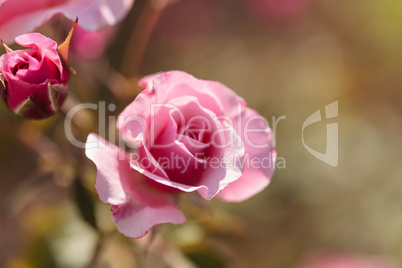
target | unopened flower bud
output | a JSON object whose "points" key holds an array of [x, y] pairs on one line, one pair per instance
{"points": [[33, 81]]}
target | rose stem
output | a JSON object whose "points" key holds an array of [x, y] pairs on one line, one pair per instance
{"points": [[140, 36]]}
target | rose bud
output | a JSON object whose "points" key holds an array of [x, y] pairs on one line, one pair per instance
{"points": [[34, 80]]}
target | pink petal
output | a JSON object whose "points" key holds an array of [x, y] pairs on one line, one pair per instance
{"points": [[95, 15], [42, 43], [134, 219], [114, 177], [21, 16], [19, 91], [174, 84], [37, 40], [133, 123], [227, 173], [256, 175], [137, 206]]}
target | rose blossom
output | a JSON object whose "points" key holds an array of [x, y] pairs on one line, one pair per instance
{"points": [[184, 135], [21, 16], [34, 79]]}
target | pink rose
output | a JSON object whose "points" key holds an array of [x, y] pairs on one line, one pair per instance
{"points": [[21, 16], [184, 135], [34, 79], [342, 260]]}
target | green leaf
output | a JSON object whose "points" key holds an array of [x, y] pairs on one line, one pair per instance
{"points": [[55, 92], [25, 107], [64, 48]]}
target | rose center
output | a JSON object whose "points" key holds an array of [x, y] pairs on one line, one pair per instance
{"points": [[37, 56], [20, 67], [193, 129]]}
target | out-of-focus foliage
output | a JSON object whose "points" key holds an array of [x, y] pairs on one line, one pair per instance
{"points": [[291, 66]]}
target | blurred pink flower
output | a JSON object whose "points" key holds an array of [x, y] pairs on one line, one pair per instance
{"points": [[34, 79], [185, 135], [339, 260], [21, 16], [91, 45], [281, 10]]}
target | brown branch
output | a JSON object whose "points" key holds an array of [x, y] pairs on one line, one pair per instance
{"points": [[140, 36]]}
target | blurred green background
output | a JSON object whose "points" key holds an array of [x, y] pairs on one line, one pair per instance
{"points": [[285, 58]]}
